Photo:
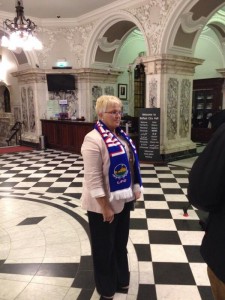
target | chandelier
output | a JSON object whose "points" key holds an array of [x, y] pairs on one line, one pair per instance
{"points": [[21, 32]]}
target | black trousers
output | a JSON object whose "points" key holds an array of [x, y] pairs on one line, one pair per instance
{"points": [[109, 251]]}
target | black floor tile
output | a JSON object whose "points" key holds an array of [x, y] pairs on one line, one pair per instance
{"points": [[86, 263], [76, 184], [31, 221], [206, 293], [151, 185], [147, 292], [158, 214], [138, 224], [29, 179], [187, 225], [193, 253], [42, 184], [64, 179], [168, 180], [8, 184], [143, 252], [70, 204], [73, 195], [85, 294], [139, 204], [68, 270], [154, 197], [23, 269], [54, 190], [173, 273], [149, 175], [172, 191], [85, 280], [164, 237], [178, 205]]}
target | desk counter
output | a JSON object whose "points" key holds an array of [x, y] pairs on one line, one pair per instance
{"points": [[65, 135]]}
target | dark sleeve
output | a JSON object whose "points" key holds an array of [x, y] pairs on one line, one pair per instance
{"points": [[207, 176]]}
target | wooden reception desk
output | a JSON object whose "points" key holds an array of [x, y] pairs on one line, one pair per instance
{"points": [[68, 135], [65, 135]]}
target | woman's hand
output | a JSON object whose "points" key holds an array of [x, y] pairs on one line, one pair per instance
{"points": [[107, 211], [108, 214], [137, 194]]}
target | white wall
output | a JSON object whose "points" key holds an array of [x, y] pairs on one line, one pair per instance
{"points": [[208, 48], [132, 46]]}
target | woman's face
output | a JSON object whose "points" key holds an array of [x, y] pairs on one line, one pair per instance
{"points": [[112, 116]]}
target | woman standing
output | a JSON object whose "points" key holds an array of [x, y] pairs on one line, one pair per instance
{"points": [[112, 183]]}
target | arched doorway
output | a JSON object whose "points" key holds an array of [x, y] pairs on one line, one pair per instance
{"points": [[5, 113], [118, 45], [5, 105]]}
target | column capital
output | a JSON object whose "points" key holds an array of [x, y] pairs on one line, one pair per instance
{"points": [[221, 71], [171, 64]]}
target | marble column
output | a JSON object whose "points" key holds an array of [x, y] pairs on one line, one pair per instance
{"points": [[169, 82], [33, 98]]}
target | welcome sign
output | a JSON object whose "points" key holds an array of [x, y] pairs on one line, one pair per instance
{"points": [[149, 135]]}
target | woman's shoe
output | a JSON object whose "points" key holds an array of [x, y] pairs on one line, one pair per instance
{"points": [[106, 298], [123, 289]]}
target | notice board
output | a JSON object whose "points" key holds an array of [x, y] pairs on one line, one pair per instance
{"points": [[149, 135]]}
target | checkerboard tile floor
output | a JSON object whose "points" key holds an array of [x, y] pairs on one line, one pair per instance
{"points": [[44, 238]]}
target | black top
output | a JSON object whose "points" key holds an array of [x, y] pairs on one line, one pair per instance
{"points": [[206, 191]]}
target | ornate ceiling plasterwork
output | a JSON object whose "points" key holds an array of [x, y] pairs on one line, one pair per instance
{"points": [[189, 25], [76, 37], [106, 46], [194, 22], [152, 16]]}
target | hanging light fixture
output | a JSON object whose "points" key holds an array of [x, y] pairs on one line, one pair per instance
{"points": [[21, 32]]}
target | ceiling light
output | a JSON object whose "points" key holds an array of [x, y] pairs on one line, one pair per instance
{"points": [[21, 32]]}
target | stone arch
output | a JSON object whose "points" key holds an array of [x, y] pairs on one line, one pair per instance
{"points": [[110, 24], [185, 25]]}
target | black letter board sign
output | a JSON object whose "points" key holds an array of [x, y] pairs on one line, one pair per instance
{"points": [[149, 135]]}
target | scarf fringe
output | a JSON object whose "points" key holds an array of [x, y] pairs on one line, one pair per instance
{"points": [[121, 194]]}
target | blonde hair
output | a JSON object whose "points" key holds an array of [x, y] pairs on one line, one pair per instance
{"points": [[105, 100]]}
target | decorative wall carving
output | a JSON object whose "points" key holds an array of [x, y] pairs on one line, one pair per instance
{"points": [[185, 108], [152, 17], [153, 99], [28, 110], [17, 113], [172, 104], [31, 110], [29, 77], [4, 130], [76, 37], [109, 90], [96, 92], [24, 109]]}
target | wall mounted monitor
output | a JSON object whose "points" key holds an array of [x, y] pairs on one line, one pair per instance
{"points": [[60, 82]]}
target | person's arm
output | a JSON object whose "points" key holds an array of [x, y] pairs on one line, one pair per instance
{"points": [[93, 175]]}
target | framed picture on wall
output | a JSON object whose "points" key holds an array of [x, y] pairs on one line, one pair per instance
{"points": [[122, 91]]}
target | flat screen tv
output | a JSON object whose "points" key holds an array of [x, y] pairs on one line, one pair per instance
{"points": [[60, 82]]}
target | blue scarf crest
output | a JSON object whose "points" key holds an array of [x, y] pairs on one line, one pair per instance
{"points": [[119, 169]]}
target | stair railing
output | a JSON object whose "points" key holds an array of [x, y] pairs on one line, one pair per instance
{"points": [[15, 131]]}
